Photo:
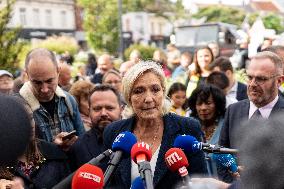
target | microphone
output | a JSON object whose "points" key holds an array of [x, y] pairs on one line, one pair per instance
{"points": [[227, 161], [177, 161], [142, 154], [66, 183], [137, 184], [190, 144], [122, 144], [88, 176]]}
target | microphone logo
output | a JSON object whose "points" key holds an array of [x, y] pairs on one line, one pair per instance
{"points": [[173, 158], [90, 176], [117, 139], [143, 145]]}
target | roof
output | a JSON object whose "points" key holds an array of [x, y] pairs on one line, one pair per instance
{"points": [[265, 6]]}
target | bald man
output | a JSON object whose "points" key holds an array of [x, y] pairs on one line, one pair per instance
{"points": [[64, 76], [55, 111], [104, 65]]}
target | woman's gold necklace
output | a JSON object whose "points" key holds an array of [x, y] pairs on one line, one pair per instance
{"points": [[155, 136]]}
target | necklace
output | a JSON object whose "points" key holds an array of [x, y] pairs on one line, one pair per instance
{"points": [[155, 136]]}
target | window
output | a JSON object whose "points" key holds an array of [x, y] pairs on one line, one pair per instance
{"points": [[48, 18], [23, 16], [63, 19], [36, 17]]}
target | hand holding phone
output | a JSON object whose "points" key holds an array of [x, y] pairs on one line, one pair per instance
{"points": [[69, 135]]}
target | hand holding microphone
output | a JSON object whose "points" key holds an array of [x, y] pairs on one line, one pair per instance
{"points": [[142, 154]]}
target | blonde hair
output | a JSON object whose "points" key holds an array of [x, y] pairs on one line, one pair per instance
{"points": [[134, 73]]}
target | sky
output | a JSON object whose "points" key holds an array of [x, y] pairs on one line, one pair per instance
{"points": [[187, 3]]}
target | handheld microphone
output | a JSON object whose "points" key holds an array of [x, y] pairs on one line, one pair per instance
{"points": [[66, 183], [227, 161], [121, 145], [137, 184], [177, 162], [88, 176], [142, 154], [190, 144]]}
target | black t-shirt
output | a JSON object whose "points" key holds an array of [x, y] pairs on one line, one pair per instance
{"points": [[49, 106]]}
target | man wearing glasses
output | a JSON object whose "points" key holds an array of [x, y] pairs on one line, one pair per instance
{"points": [[55, 111], [264, 76]]}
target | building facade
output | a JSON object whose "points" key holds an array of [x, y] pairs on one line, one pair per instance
{"points": [[43, 18]]}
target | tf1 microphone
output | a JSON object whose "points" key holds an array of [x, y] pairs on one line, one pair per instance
{"points": [[122, 144], [142, 154], [227, 161], [66, 183], [137, 184], [190, 144], [88, 176]]}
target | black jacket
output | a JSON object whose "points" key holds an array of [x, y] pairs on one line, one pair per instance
{"points": [[174, 125]]}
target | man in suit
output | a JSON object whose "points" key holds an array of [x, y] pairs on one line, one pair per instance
{"points": [[105, 107], [235, 90], [265, 75]]}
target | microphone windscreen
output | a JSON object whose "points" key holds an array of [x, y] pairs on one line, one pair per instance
{"points": [[175, 159], [15, 129], [187, 143], [226, 160], [124, 142], [141, 148], [137, 184], [88, 176]]}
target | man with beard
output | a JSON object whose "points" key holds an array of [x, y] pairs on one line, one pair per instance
{"points": [[105, 107], [264, 76]]}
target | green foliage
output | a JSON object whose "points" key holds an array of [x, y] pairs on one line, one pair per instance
{"points": [[59, 44], [273, 21], [101, 18], [10, 46], [221, 14], [146, 51]]}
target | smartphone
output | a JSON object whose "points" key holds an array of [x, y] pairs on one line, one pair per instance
{"points": [[69, 135]]}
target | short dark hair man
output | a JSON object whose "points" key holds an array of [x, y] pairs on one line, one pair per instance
{"points": [[55, 111], [236, 89], [105, 107]]}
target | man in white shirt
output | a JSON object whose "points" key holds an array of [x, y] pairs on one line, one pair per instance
{"points": [[265, 75]]}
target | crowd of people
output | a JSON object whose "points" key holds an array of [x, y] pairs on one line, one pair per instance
{"points": [[173, 94]]}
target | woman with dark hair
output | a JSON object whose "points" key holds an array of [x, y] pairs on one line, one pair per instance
{"points": [[178, 99], [42, 165], [199, 70], [91, 64], [208, 105]]}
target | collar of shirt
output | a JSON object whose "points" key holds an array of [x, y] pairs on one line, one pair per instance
{"points": [[232, 93], [265, 110]]}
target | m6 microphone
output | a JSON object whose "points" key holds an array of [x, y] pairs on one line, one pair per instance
{"points": [[137, 184], [227, 161], [88, 176], [190, 144], [142, 154], [66, 183], [121, 145], [176, 161]]}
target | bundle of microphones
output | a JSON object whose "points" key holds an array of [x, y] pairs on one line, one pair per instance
{"points": [[89, 176]]}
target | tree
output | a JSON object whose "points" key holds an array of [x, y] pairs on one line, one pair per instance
{"points": [[101, 18], [10, 46], [273, 21], [221, 14]]}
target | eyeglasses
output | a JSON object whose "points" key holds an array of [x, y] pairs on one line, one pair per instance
{"points": [[260, 79], [6, 80]]}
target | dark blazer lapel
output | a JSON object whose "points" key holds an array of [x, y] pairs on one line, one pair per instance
{"points": [[169, 135], [279, 106], [244, 111]]}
